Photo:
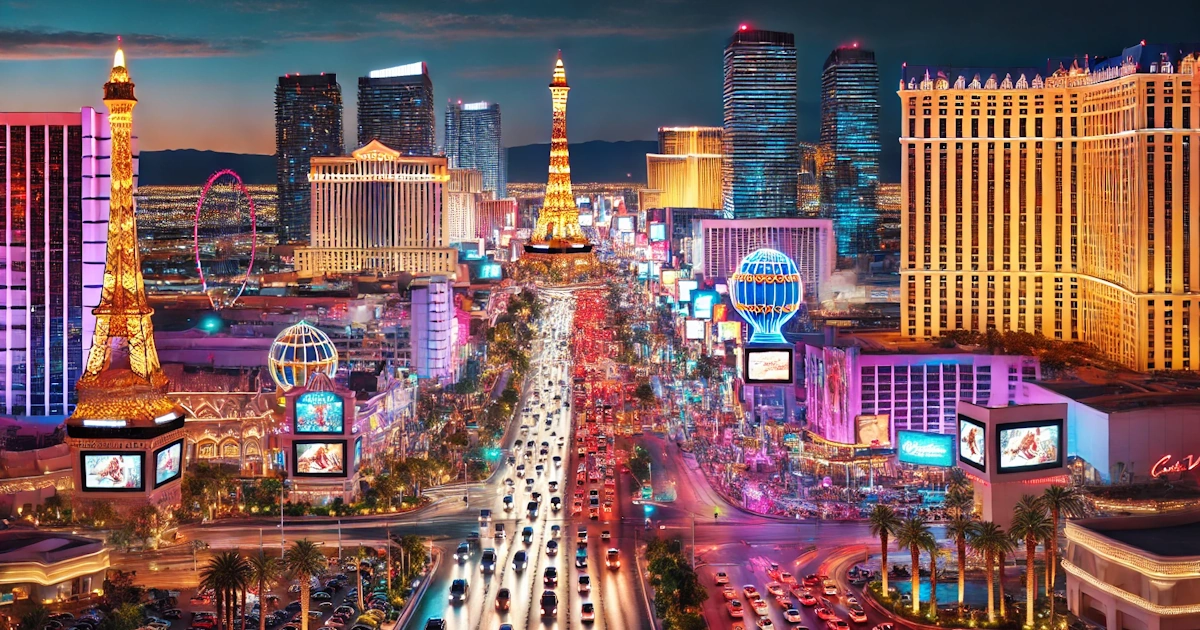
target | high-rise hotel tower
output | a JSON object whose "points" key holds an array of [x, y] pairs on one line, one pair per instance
{"points": [[395, 107], [473, 141], [308, 124], [1061, 204], [850, 134]]}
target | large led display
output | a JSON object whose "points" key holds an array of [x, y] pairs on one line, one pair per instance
{"points": [[768, 365], [702, 304], [316, 458], [693, 329], [357, 453], [972, 443], [168, 463], [873, 429], [658, 232], [685, 288], [585, 219], [925, 449], [624, 224], [112, 471], [1034, 445], [319, 412], [729, 331]]}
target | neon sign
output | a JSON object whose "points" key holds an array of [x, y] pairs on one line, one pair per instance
{"points": [[1165, 466]]}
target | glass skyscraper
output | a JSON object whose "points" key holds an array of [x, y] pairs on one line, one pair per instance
{"points": [[473, 141], [54, 173], [761, 154], [850, 134], [395, 107], [308, 124]]}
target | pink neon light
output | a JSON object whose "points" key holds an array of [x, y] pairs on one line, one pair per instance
{"points": [[253, 229]]}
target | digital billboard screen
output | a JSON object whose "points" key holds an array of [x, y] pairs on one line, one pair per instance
{"points": [[658, 232], [702, 304], [168, 463], [873, 429], [972, 441], [316, 458], [685, 288], [112, 471], [357, 453], [925, 449], [1033, 445], [585, 219], [768, 365], [624, 224], [693, 329], [727, 331], [319, 412]]}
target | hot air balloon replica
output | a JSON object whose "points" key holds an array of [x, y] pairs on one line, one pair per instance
{"points": [[767, 291]]}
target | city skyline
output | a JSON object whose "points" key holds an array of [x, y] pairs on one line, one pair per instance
{"points": [[207, 66]]}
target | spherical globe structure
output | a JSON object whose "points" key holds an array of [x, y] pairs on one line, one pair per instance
{"points": [[298, 352], [766, 290]]}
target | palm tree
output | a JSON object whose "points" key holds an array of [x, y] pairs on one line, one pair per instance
{"points": [[883, 522], [914, 534], [959, 529], [303, 560], [1031, 524], [1059, 500], [987, 538], [931, 545], [225, 574], [362, 553], [35, 618], [265, 571]]}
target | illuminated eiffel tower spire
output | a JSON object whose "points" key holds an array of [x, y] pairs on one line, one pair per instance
{"points": [[123, 380], [558, 219]]}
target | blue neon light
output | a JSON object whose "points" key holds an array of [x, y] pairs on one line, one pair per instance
{"points": [[925, 449], [767, 291]]}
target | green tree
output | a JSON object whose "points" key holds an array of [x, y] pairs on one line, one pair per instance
{"points": [[931, 546], [119, 589], [1031, 524], [991, 540], [303, 560], [35, 618], [127, 616], [644, 394], [914, 534], [884, 523], [265, 571], [960, 529], [225, 573], [1059, 500]]}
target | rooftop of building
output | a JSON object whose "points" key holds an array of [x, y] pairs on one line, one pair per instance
{"points": [[892, 342], [22, 545], [1174, 536], [1114, 391]]}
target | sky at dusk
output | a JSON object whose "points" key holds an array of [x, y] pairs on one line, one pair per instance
{"points": [[205, 69]]}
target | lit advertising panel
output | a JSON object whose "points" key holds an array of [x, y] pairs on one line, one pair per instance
{"points": [[357, 453], [768, 366], [727, 331], [685, 288], [873, 429], [702, 304], [643, 270], [925, 449], [112, 471], [693, 329], [318, 458], [319, 412], [972, 440], [585, 219], [168, 463], [658, 232], [624, 224], [490, 271], [1033, 445], [660, 251]]}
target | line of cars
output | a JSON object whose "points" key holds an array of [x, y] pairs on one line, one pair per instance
{"points": [[813, 592]]}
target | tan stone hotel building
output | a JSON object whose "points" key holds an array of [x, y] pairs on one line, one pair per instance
{"points": [[1058, 200]]}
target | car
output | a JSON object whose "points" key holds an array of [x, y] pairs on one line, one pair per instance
{"points": [[811, 580], [884, 626], [521, 470], [825, 613], [321, 595], [540, 468], [750, 591], [435, 623], [344, 610], [527, 535], [581, 558], [851, 600], [775, 588], [792, 615], [760, 607], [170, 613], [585, 583], [508, 503], [784, 601], [555, 503], [837, 624], [529, 484], [553, 486], [808, 599], [555, 531], [295, 588], [587, 612], [291, 607], [463, 553], [857, 614], [558, 458], [325, 605], [500, 530], [550, 577], [549, 604], [606, 535], [487, 563], [787, 578], [831, 588], [730, 593], [612, 559], [721, 578], [551, 547], [735, 609], [458, 591], [764, 623], [520, 560], [503, 599]]}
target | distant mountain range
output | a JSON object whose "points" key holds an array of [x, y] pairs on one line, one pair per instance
{"points": [[596, 161]]}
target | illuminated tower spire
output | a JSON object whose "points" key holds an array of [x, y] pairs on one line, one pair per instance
{"points": [[123, 381], [558, 220]]}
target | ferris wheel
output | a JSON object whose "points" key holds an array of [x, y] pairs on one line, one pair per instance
{"points": [[225, 237]]}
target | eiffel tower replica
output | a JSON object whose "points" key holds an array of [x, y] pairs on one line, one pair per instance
{"points": [[126, 432]]}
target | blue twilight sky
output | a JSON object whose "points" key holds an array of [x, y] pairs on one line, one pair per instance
{"points": [[205, 69]]}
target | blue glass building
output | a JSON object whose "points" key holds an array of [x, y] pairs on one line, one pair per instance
{"points": [[308, 123], [850, 135], [761, 155], [473, 141], [395, 107]]}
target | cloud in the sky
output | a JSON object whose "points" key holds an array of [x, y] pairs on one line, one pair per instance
{"points": [[39, 43]]}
